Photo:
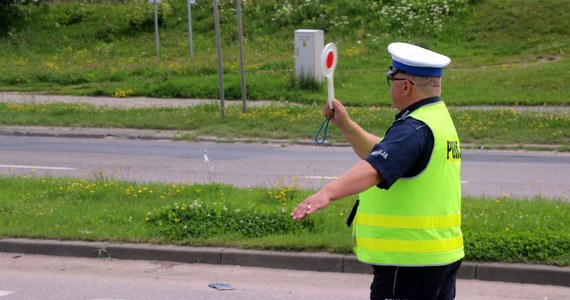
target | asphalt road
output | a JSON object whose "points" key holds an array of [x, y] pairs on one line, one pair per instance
{"points": [[490, 173], [24, 277]]}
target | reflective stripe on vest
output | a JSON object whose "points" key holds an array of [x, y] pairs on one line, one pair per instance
{"points": [[419, 222], [410, 246]]}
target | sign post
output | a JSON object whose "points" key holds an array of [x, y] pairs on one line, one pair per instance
{"points": [[219, 50], [241, 62], [156, 45], [190, 2]]}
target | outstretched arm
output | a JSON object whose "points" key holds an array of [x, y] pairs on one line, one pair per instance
{"points": [[357, 179]]}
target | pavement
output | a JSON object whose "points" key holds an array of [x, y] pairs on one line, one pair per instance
{"points": [[319, 261], [305, 261]]}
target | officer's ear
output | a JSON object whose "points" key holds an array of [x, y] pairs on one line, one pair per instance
{"points": [[407, 88]]}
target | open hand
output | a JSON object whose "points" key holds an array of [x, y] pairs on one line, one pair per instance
{"points": [[309, 206]]}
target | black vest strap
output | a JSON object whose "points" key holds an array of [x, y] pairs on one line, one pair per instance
{"points": [[352, 213]]}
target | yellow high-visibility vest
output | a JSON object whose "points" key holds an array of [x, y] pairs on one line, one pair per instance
{"points": [[417, 222]]}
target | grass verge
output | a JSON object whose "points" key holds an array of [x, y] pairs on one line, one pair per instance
{"points": [[503, 229], [479, 128]]}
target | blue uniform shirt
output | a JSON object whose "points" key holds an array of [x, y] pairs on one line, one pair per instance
{"points": [[406, 148]]}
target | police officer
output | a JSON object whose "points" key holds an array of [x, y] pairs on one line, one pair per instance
{"points": [[407, 221]]}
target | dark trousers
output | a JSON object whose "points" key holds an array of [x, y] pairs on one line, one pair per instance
{"points": [[414, 283]]}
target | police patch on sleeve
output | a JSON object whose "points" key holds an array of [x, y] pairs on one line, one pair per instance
{"points": [[379, 152]]}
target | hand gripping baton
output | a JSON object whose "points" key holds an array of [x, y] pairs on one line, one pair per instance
{"points": [[328, 64]]}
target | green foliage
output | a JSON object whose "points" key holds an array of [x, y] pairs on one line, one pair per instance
{"points": [[511, 126], [10, 14], [526, 247], [141, 16], [505, 20], [401, 18], [107, 48], [514, 230], [305, 82], [488, 128], [103, 208], [203, 220], [75, 13]]}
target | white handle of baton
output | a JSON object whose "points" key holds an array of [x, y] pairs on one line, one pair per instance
{"points": [[330, 85]]}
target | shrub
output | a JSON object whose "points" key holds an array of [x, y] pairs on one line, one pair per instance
{"points": [[72, 14], [397, 17], [527, 247], [10, 14], [509, 230], [201, 220], [142, 15]]}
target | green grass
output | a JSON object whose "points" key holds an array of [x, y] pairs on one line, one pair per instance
{"points": [[508, 52], [487, 128], [503, 51], [502, 229]]}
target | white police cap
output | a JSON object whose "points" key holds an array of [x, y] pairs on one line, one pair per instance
{"points": [[414, 60]]}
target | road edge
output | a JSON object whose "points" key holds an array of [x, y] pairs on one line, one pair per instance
{"points": [[305, 261]]}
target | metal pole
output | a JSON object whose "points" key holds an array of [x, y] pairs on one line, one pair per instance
{"points": [[190, 25], [157, 47], [241, 62], [219, 50]]}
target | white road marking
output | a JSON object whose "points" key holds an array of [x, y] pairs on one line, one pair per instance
{"points": [[36, 167], [464, 181], [5, 293], [321, 177]]}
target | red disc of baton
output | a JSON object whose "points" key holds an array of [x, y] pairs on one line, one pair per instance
{"points": [[328, 59]]}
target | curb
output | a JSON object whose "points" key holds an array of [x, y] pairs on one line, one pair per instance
{"points": [[318, 261], [98, 133], [158, 134], [134, 134]]}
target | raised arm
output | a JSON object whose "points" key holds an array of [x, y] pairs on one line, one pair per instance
{"points": [[361, 140]]}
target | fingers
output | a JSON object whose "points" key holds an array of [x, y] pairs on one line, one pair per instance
{"points": [[339, 116], [303, 210], [328, 112], [337, 105], [309, 206]]}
